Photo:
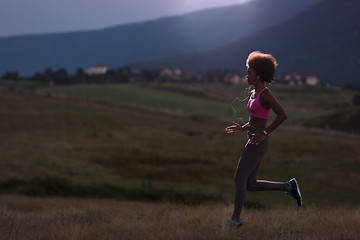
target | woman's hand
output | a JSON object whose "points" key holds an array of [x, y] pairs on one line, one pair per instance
{"points": [[257, 138], [235, 128]]}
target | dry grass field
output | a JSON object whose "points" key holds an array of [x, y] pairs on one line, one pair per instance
{"points": [[168, 173], [23, 218]]}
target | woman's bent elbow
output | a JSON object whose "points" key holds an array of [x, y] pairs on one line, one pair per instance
{"points": [[283, 117]]}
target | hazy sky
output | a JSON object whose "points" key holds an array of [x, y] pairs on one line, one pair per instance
{"points": [[47, 16]]}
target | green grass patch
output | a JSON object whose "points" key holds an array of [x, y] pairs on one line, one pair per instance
{"points": [[150, 155], [300, 102]]}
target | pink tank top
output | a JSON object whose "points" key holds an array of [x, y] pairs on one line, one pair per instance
{"points": [[255, 109]]}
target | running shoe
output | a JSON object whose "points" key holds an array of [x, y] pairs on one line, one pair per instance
{"points": [[230, 223], [295, 191]]}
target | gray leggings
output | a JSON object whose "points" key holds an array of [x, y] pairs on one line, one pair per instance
{"points": [[247, 171]]}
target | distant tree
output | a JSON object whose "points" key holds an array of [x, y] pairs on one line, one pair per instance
{"points": [[80, 76], [356, 99], [11, 76], [109, 76], [210, 76], [36, 76], [221, 74], [41, 77], [110, 72], [149, 75], [79, 72], [123, 75], [46, 77], [127, 70], [48, 72], [61, 77]]}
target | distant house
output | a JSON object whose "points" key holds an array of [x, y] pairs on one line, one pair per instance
{"points": [[312, 79], [171, 73], [293, 79], [193, 77], [98, 69], [165, 72], [232, 78], [136, 71], [327, 84], [177, 72]]}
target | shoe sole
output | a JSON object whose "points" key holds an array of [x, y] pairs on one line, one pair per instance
{"points": [[298, 191]]}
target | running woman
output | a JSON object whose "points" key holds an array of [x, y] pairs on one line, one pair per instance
{"points": [[260, 70]]}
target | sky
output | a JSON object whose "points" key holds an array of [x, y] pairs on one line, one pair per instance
{"points": [[19, 17]]}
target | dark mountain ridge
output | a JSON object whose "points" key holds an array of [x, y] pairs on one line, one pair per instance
{"points": [[323, 39], [148, 41]]}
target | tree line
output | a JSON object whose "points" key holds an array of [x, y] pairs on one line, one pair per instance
{"points": [[121, 75], [52, 77], [62, 77]]}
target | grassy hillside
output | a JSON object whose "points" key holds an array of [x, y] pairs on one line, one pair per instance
{"points": [[66, 147], [137, 95], [58, 218], [300, 102], [346, 120]]}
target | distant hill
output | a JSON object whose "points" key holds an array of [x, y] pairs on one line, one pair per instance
{"points": [[143, 42], [324, 39]]}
